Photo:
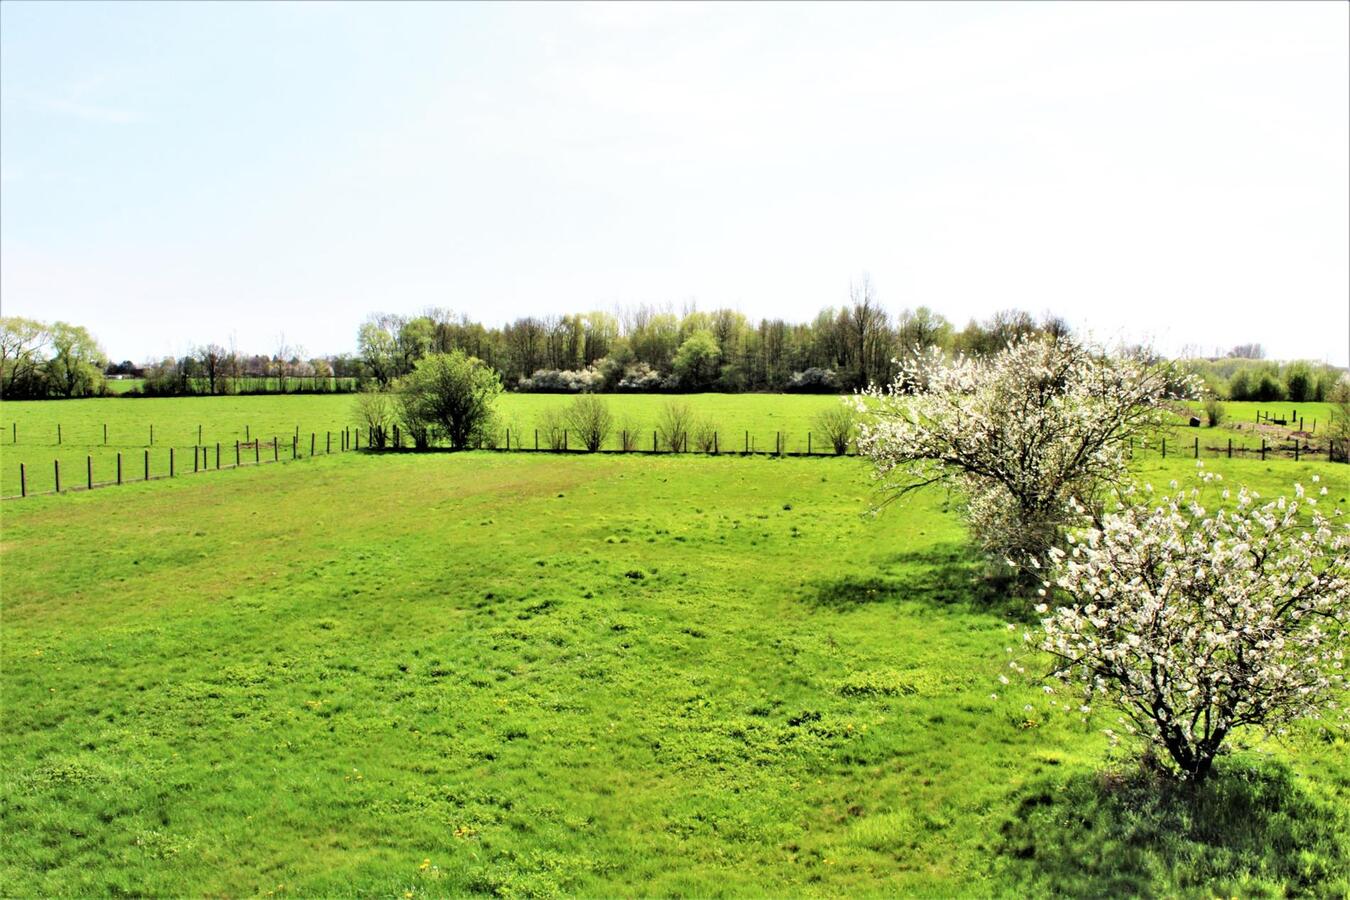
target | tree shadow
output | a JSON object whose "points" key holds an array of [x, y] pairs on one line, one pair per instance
{"points": [[951, 575], [1248, 830]]}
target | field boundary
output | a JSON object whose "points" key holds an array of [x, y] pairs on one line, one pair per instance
{"points": [[349, 441]]}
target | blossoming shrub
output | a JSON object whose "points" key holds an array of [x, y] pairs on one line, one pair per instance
{"points": [[1025, 434], [1194, 623]]}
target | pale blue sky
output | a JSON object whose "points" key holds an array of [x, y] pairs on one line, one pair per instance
{"points": [[174, 174]]}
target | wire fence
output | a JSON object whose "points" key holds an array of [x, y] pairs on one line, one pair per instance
{"points": [[133, 467]]}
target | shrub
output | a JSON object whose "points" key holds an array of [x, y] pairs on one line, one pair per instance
{"points": [[814, 380], [839, 425], [1024, 433], [705, 435], [564, 381], [450, 394], [1299, 384], [590, 418], [1193, 624], [674, 424], [552, 427], [1213, 411], [373, 409], [628, 435]]}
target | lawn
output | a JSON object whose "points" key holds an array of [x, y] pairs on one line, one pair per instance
{"points": [[527, 674]]}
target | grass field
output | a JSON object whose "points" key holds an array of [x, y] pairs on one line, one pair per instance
{"points": [[225, 420], [516, 674], [754, 420]]}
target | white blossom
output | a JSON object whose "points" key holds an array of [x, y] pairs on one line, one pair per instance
{"points": [[1195, 623]]}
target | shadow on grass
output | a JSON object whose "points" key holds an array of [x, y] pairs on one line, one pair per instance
{"points": [[949, 575], [1249, 830]]}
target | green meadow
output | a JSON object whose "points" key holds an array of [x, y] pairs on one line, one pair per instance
{"points": [[522, 675], [38, 434], [29, 429]]}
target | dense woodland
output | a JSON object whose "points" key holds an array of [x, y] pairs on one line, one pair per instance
{"points": [[640, 348]]}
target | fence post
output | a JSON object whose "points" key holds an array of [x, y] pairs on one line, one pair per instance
{"points": [[653, 440], [1263, 449], [747, 441], [247, 433], [311, 443], [623, 447], [199, 434], [56, 463], [1164, 448], [14, 439], [119, 468], [257, 452], [236, 454], [295, 446], [89, 472], [1197, 448], [1230, 448], [152, 435], [147, 465], [778, 442], [356, 433], [217, 456], [714, 443], [1295, 450], [328, 442], [170, 462], [536, 439], [195, 456], [58, 434], [276, 454], [808, 443], [564, 438], [105, 434], [23, 481]]}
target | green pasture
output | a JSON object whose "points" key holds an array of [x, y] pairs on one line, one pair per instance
{"points": [[446, 674], [29, 429]]}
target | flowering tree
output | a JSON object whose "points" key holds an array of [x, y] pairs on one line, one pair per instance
{"points": [[1024, 434], [1195, 623]]}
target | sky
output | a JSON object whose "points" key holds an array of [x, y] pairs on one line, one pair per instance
{"points": [[269, 174]]}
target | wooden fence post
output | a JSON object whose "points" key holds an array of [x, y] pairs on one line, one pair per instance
{"points": [[170, 462], [89, 472], [58, 434], [1263, 449], [236, 454], [152, 435], [147, 465], [257, 452], [119, 467], [276, 453], [199, 434], [328, 442], [295, 446], [311, 443], [217, 456], [1230, 448], [564, 438], [1295, 450], [714, 443], [23, 481], [747, 441], [1197, 448], [56, 464], [653, 440], [105, 434], [808, 443], [195, 457], [247, 434], [14, 438]]}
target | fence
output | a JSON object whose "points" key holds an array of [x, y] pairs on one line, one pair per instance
{"points": [[559, 441], [261, 452]]}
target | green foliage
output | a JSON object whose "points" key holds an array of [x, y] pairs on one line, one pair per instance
{"points": [[1214, 411], [449, 395], [696, 361], [589, 416], [838, 424]]}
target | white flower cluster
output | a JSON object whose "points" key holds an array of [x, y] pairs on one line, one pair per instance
{"points": [[1024, 433], [1194, 623]]}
